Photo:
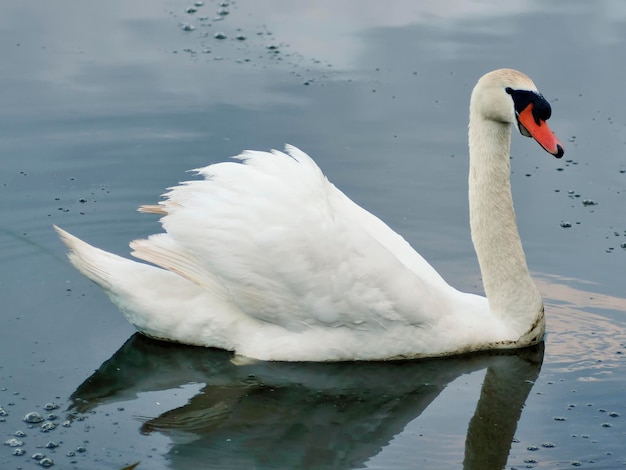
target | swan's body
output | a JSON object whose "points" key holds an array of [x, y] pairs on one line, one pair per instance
{"points": [[268, 259]]}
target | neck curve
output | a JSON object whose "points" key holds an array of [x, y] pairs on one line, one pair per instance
{"points": [[511, 292]]}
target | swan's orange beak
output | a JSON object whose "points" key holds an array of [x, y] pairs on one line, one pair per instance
{"points": [[539, 130]]}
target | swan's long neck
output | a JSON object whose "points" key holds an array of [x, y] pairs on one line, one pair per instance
{"points": [[511, 292]]}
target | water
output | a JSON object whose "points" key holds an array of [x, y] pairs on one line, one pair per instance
{"points": [[101, 109]]}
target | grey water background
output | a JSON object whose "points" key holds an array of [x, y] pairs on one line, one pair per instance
{"points": [[103, 105]]}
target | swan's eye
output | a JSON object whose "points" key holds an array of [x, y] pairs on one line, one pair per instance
{"points": [[522, 98]]}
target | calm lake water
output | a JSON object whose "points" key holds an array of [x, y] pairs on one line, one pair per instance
{"points": [[105, 104]]}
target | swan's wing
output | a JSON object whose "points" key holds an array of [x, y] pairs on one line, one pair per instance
{"points": [[274, 237]]}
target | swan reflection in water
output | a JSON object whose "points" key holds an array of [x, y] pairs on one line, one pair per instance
{"points": [[306, 415]]}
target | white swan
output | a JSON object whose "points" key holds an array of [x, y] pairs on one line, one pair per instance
{"points": [[266, 258]]}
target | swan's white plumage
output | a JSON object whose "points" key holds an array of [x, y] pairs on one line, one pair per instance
{"points": [[265, 257], [271, 260]]}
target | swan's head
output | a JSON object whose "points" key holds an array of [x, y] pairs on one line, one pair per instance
{"points": [[509, 96]]}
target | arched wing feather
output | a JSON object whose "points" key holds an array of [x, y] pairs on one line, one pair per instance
{"points": [[273, 236]]}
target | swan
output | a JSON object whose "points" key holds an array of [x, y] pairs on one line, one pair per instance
{"points": [[266, 258]]}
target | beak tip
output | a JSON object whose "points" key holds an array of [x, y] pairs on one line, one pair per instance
{"points": [[559, 151]]}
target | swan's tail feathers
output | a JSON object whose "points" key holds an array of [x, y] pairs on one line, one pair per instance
{"points": [[92, 262]]}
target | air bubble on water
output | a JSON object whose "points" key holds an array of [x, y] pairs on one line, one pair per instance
{"points": [[606, 425], [560, 418], [33, 417], [187, 27], [220, 35], [548, 445], [51, 445], [613, 414], [191, 10], [223, 12], [19, 452], [53, 406], [532, 448], [46, 462], [37, 456], [3, 412], [198, 4], [565, 224], [13, 443], [589, 202], [19, 434], [241, 37], [47, 426]]}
